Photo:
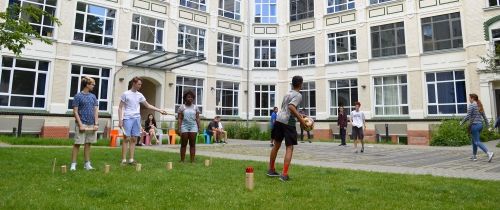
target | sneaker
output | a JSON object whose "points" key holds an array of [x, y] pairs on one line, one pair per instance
{"points": [[362, 150], [88, 167], [284, 178], [310, 141], [132, 162], [124, 162], [73, 167], [272, 173], [473, 158], [490, 156], [356, 151], [341, 145]]}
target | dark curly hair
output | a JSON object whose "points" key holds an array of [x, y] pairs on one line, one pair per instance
{"points": [[188, 92]]}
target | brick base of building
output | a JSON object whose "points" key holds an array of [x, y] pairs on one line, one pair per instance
{"points": [[322, 134], [419, 137], [55, 132]]}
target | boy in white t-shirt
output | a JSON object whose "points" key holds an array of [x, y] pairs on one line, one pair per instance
{"points": [[358, 125], [129, 117]]}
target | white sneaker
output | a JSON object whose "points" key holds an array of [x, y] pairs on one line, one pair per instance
{"points": [[473, 158], [490, 156], [88, 167], [73, 167]]}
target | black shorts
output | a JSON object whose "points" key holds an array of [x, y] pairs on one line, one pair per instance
{"points": [[357, 133], [282, 131]]}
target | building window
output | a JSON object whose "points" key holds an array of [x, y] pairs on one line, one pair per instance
{"points": [[265, 100], [494, 3], [442, 32], [391, 95], [265, 11], [302, 52], [301, 9], [94, 24], [191, 40], [308, 98], [342, 46], [446, 92], [147, 33], [379, 1], [101, 88], [343, 92], [228, 49], [339, 5], [227, 98], [44, 26], [265, 53], [495, 36], [184, 84], [23, 83], [195, 4], [230, 9], [388, 40]]}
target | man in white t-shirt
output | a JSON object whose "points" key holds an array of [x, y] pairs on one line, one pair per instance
{"points": [[129, 117], [358, 125]]}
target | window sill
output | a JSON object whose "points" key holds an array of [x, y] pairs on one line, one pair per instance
{"points": [[383, 4], [230, 19], [302, 67], [264, 69], [194, 10], [229, 66], [266, 24], [340, 13], [388, 57], [301, 21], [342, 62], [443, 51], [490, 8], [85, 44]]}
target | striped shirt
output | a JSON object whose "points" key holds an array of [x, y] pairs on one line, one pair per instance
{"points": [[473, 115]]}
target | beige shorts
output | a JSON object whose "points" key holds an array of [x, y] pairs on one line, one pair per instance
{"points": [[84, 137]]}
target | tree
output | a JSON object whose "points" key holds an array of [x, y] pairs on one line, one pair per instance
{"points": [[16, 33], [491, 61]]}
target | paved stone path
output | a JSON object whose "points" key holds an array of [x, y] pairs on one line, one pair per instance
{"points": [[439, 161]]}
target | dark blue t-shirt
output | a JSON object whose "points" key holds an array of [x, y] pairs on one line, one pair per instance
{"points": [[86, 104]]}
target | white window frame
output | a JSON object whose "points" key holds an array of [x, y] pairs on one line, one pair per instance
{"points": [[235, 58], [400, 105], [158, 28], [37, 72], [436, 103], [352, 53], [307, 59], [334, 7], [40, 26], [308, 14], [347, 107], [199, 34], [433, 42], [200, 5], [260, 17], [379, 1], [235, 15], [219, 88], [110, 14], [397, 45], [271, 99], [272, 50], [494, 50], [98, 78], [181, 87], [307, 89]]}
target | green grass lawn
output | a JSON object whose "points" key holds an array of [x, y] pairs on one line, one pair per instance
{"points": [[27, 182]]}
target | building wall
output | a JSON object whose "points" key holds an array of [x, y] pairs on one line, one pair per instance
{"points": [[414, 63]]}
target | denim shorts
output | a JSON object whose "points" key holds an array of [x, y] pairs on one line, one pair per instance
{"points": [[132, 127], [192, 128]]}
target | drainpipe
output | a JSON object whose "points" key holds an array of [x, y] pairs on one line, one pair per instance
{"points": [[249, 25]]}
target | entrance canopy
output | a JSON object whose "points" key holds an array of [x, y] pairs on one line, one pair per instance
{"points": [[162, 60]]}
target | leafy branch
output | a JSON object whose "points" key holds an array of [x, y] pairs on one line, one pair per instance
{"points": [[16, 33]]}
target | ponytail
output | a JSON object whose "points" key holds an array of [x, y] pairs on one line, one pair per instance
{"points": [[476, 99]]}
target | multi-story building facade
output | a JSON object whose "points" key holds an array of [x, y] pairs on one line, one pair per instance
{"points": [[409, 62]]}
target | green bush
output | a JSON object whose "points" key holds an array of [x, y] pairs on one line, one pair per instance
{"points": [[487, 135], [450, 133]]}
